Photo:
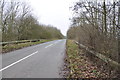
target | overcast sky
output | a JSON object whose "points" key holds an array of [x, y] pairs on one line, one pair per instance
{"points": [[53, 12]]}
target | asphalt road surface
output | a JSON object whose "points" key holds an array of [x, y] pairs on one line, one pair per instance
{"points": [[39, 61]]}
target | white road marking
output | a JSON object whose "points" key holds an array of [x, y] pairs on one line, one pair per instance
{"points": [[57, 41], [48, 45], [18, 61]]}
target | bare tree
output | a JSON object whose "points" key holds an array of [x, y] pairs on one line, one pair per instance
{"points": [[100, 27]]}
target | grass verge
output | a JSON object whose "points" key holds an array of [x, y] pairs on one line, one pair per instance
{"points": [[12, 47], [78, 65]]}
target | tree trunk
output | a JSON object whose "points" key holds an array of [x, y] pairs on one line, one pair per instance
{"points": [[114, 19], [104, 10]]}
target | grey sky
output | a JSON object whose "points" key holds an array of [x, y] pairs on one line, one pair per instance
{"points": [[53, 12]]}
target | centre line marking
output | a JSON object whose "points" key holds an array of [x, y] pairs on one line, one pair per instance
{"points": [[48, 45], [18, 61]]}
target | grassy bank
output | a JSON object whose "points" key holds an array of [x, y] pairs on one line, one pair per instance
{"points": [[11, 47], [78, 65]]}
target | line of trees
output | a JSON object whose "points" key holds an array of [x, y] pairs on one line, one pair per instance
{"points": [[18, 23], [96, 24]]}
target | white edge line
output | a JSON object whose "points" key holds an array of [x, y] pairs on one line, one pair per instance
{"points": [[48, 45], [18, 61]]}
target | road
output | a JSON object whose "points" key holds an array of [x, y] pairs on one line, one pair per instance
{"points": [[39, 61]]}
